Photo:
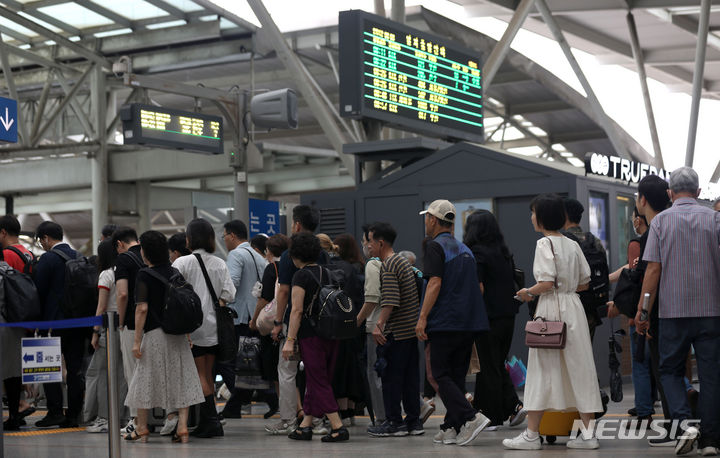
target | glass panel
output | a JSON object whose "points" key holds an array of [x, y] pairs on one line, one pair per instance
{"points": [[17, 28], [625, 206], [133, 9], [185, 5], [163, 25], [598, 217], [75, 15], [110, 33], [39, 21]]}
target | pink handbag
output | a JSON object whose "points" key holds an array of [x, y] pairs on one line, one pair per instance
{"points": [[541, 333], [266, 318]]}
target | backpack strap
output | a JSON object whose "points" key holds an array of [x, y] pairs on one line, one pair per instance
{"points": [[156, 275], [135, 258], [21, 255], [317, 291], [209, 285], [64, 256], [257, 272]]}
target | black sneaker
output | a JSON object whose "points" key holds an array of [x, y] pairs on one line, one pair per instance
{"points": [[416, 429], [662, 442], [686, 442], [69, 422], [12, 424], [50, 421], [388, 429]]}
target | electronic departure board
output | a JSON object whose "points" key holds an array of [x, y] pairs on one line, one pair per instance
{"points": [[165, 127], [408, 78]]}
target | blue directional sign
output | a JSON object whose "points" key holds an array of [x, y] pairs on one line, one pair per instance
{"points": [[264, 217], [8, 120], [41, 358]]}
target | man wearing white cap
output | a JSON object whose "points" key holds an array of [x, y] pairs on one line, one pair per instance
{"points": [[452, 313]]}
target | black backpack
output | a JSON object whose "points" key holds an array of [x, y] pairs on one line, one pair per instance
{"points": [[18, 295], [332, 313], [80, 295], [28, 258], [597, 294], [182, 310]]}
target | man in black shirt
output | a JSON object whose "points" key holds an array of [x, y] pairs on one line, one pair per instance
{"points": [[127, 265]]}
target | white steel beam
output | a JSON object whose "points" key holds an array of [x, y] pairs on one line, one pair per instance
{"points": [[702, 37], [494, 61]]}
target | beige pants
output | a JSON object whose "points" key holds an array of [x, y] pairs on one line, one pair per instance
{"points": [[127, 337]]}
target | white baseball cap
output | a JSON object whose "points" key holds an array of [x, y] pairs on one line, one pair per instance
{"points": [[443, 210]]}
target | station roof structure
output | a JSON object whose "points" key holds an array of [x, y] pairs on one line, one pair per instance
{"points": [[54, 51]]}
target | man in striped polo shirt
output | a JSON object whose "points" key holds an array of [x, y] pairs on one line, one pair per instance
{"points": [[394, 333], [683, 255]]}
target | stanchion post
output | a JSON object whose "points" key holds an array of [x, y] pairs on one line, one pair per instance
{"points": [[111, 336]]}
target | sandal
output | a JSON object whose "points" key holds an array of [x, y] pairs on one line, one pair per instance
{"points": [[337, 435], [137, 436], [181, 438], [304, 433]]}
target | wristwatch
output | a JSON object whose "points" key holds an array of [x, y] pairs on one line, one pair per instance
{"points": [[527, 291], [277, 323]]}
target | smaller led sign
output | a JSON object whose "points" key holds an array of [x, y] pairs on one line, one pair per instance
{"points": [[166, 127]]}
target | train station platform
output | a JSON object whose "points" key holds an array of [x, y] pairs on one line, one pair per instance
{"points": [[246, 437]]}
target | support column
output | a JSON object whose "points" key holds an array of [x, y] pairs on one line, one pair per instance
{"points": [[380, 7], [640, 63], [492, 64], [702, 35], [602, 117], [142, 201], [9, 204], [241, 194], [99, 172], [397, 13]]}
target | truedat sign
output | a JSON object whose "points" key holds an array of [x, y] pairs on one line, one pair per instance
{"points": [[621, 169]]}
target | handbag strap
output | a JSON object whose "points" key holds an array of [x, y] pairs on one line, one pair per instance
{"points": [[209, 285], [555, 282], [257, 272], [317, 291]]}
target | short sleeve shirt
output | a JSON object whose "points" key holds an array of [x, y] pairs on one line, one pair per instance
{"points": [[106, 281], [399, 291], [268, 281], [287, 271], [307, 278], [434, 260], [152, 292], [14, 260], [126, 268]]}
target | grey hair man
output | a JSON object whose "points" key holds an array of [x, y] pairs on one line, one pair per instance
{"points": [[683, 259]]}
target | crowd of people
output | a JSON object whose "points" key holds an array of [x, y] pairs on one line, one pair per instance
{"points": [[460, 307]]}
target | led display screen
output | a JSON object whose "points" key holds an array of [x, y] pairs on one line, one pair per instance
{"points": [[405, 77], [165, 127]]}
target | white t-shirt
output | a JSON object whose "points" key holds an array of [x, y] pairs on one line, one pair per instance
{"points": [[107, 282]]}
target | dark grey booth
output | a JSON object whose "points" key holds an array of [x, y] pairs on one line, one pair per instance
{"points": [[473, 176]]}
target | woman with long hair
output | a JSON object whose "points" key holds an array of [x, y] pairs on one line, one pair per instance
{"points": [[494, 392]]}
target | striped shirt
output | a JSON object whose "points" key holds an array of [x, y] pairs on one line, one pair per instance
{"points": [[685, 240], [399, 291]]}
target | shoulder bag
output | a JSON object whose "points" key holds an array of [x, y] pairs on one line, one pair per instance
{"points": [[266, 318], [257, 287], [225, 317], [542, 333]]}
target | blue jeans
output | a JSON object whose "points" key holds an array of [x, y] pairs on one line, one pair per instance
{"points": [[676, 336], [641, 378]]}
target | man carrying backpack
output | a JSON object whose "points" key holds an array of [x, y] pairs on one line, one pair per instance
{"points": [[50, 282], [597, 295], [20, 259]]}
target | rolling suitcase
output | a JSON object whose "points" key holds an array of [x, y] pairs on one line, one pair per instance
{"points": [[554, 424]]}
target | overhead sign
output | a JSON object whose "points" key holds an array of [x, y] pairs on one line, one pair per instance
{"points": [[264, 217], [165, 127], [402, 76], [41, 360], [621, 169], [8, 120]]}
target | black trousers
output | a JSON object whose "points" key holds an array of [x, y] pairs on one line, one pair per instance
{"points": [[655, 369], [494, 392], [401, 379], [450, 358], [72, 345]]}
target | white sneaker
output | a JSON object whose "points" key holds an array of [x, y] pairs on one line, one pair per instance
{"points": [[708, 451], [583, 444], [521, 442], [472, 428], [491, 428], [130, 427], [320, 427], [224, 393], [100, 425], [169, 426], [282, 427], [686, 442], [450, 437]]}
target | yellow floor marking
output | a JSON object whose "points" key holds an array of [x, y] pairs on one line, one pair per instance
{"points": [[44, 432]]}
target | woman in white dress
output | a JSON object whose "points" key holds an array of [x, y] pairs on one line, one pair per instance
{"points": [[559, 380]]}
